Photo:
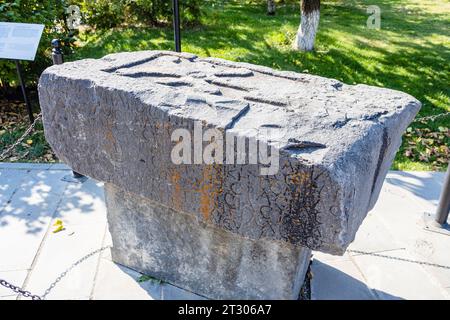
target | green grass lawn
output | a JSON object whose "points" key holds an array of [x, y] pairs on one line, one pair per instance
{"points": [[411, 53]]}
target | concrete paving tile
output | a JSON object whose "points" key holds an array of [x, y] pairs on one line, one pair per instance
{"points": [[400, 215], [16, 278], [11, 297], [26, 218], [10, 180], [403, 218], [115, 282], [338, 280], [82, 203], [395, 279], [59, 252], [372, 236], [424, 187], [439, 177], [442, 275], [53, 178], [424, 246], [19, 240], [397, 219]]}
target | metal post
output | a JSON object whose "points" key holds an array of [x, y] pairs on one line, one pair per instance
{"points": [[57, 55], [58, 58], [176, 25], [444, 200], [438, 222], [24, 91]]}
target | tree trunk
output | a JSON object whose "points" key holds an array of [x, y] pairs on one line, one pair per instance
{"points": [[271, 7], [309, 24]]}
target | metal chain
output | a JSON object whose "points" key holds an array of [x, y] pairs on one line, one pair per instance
{"points": [[63, 274], [401, 259], [432, 118], [26, 133], [24, 293], [54, 283]]}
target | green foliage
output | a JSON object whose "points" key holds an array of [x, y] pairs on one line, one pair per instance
{"points": [[47, 12], [428, 146], [34, 148], [101, 14], [112, 13]]}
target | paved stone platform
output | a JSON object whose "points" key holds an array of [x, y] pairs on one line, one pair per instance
{"points": [[382, 263]]}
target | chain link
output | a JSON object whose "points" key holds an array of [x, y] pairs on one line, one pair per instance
{"points": [[28, 294], [64, 273], [25, 134], [400, 259], [19, 291], [432, 118]]}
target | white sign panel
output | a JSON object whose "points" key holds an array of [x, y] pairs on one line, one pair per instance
{"points": [[19, 40]]}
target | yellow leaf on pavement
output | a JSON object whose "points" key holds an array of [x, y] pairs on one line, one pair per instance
{"points": [[59, 226]]}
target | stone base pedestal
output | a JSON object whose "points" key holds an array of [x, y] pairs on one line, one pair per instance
{"points": [[176, 248]]}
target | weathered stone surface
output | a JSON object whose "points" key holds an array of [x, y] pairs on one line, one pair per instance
{"points": [[181, 249], [112, 119]]}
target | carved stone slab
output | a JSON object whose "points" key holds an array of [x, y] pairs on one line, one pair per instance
{"points": [[112, 119]]}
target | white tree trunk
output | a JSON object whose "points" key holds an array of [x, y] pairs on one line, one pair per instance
{"points": [[309, 24], [271, 7]]}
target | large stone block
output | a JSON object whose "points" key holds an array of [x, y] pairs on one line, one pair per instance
{"points": [[113, 119]]}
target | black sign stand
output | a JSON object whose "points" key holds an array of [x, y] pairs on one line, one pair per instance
{"points": [[24, 91], [176, 25]]}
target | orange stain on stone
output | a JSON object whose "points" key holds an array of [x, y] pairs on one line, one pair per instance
{"points": [[205, 193], [176, 190], [210, 189]]}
